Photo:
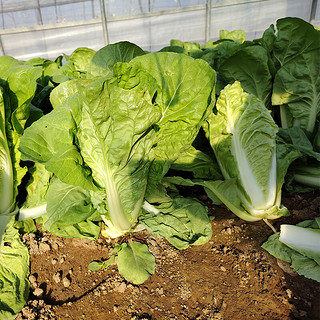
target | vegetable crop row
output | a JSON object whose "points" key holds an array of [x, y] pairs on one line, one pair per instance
{"points": [[99, 143]]}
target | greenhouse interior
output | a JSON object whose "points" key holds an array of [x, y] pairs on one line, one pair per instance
{"points": [[160, 160], [48, 28]]}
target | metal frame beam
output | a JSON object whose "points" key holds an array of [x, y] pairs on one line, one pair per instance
{"points": [[313, 10], [208, 20], [104, 22]]}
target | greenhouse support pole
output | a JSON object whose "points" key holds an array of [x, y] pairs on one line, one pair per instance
{"points": [[2, 53], [313, 10], [208, 20], [104, 22]]}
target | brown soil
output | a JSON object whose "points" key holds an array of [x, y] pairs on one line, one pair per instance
{"points": [[231, 277]]}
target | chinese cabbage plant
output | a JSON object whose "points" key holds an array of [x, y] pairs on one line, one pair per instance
{"points": [[113, 138], [18, 85], [242, 134]]}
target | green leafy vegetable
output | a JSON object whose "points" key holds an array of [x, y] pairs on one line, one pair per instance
{"points": [[242, 135], [17, 88], [14, 272], [183, 222], [115, 137]]}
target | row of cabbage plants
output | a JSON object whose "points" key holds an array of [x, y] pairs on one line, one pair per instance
{"points": [[98, 143]]}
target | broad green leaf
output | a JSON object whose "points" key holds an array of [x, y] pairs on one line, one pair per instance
{"points": [[297, 82], [294, 37], [14, 272], [36, 198], [198, 162], [95, 265], [67, 206], [135, 262], [50, 141], [85, 229], [62, 92], [250, 67], [296, 138], [7, 62], [185, 96], [37, 186], [103, 61], [183, 222], [26, 226], [81, 58], [216, 56]]}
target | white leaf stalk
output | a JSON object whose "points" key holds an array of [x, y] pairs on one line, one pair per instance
{"points": [[300, 238]]}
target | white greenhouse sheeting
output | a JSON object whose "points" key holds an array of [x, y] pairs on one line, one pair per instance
{"points": [[49, 28]]}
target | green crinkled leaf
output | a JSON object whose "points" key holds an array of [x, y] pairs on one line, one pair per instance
{"points": [[14, 272], [85, 229], [50, 141], [62, 92], [98, 140], [198, 162], [135, 262], [37, 186], [185, 96], [26, 226], [297, 82], [235, 35], [81, 58], [68, 210], [96, 265], [296, 139], [294, 37], [220, 53], [183, 222]]}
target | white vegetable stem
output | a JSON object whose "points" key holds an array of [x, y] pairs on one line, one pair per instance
{"points": [[35, 212], [299, 237], [150, 208], [6, 178]]}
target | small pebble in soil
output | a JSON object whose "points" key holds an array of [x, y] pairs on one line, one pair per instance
{"points": [[66, 281], [38, 292], [55, 246], [54, 261], [44, 247], [121, 287], [33, 281], [57, 276]]}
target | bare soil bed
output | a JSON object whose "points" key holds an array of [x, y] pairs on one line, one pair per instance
{"points": [[231, 277]]}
